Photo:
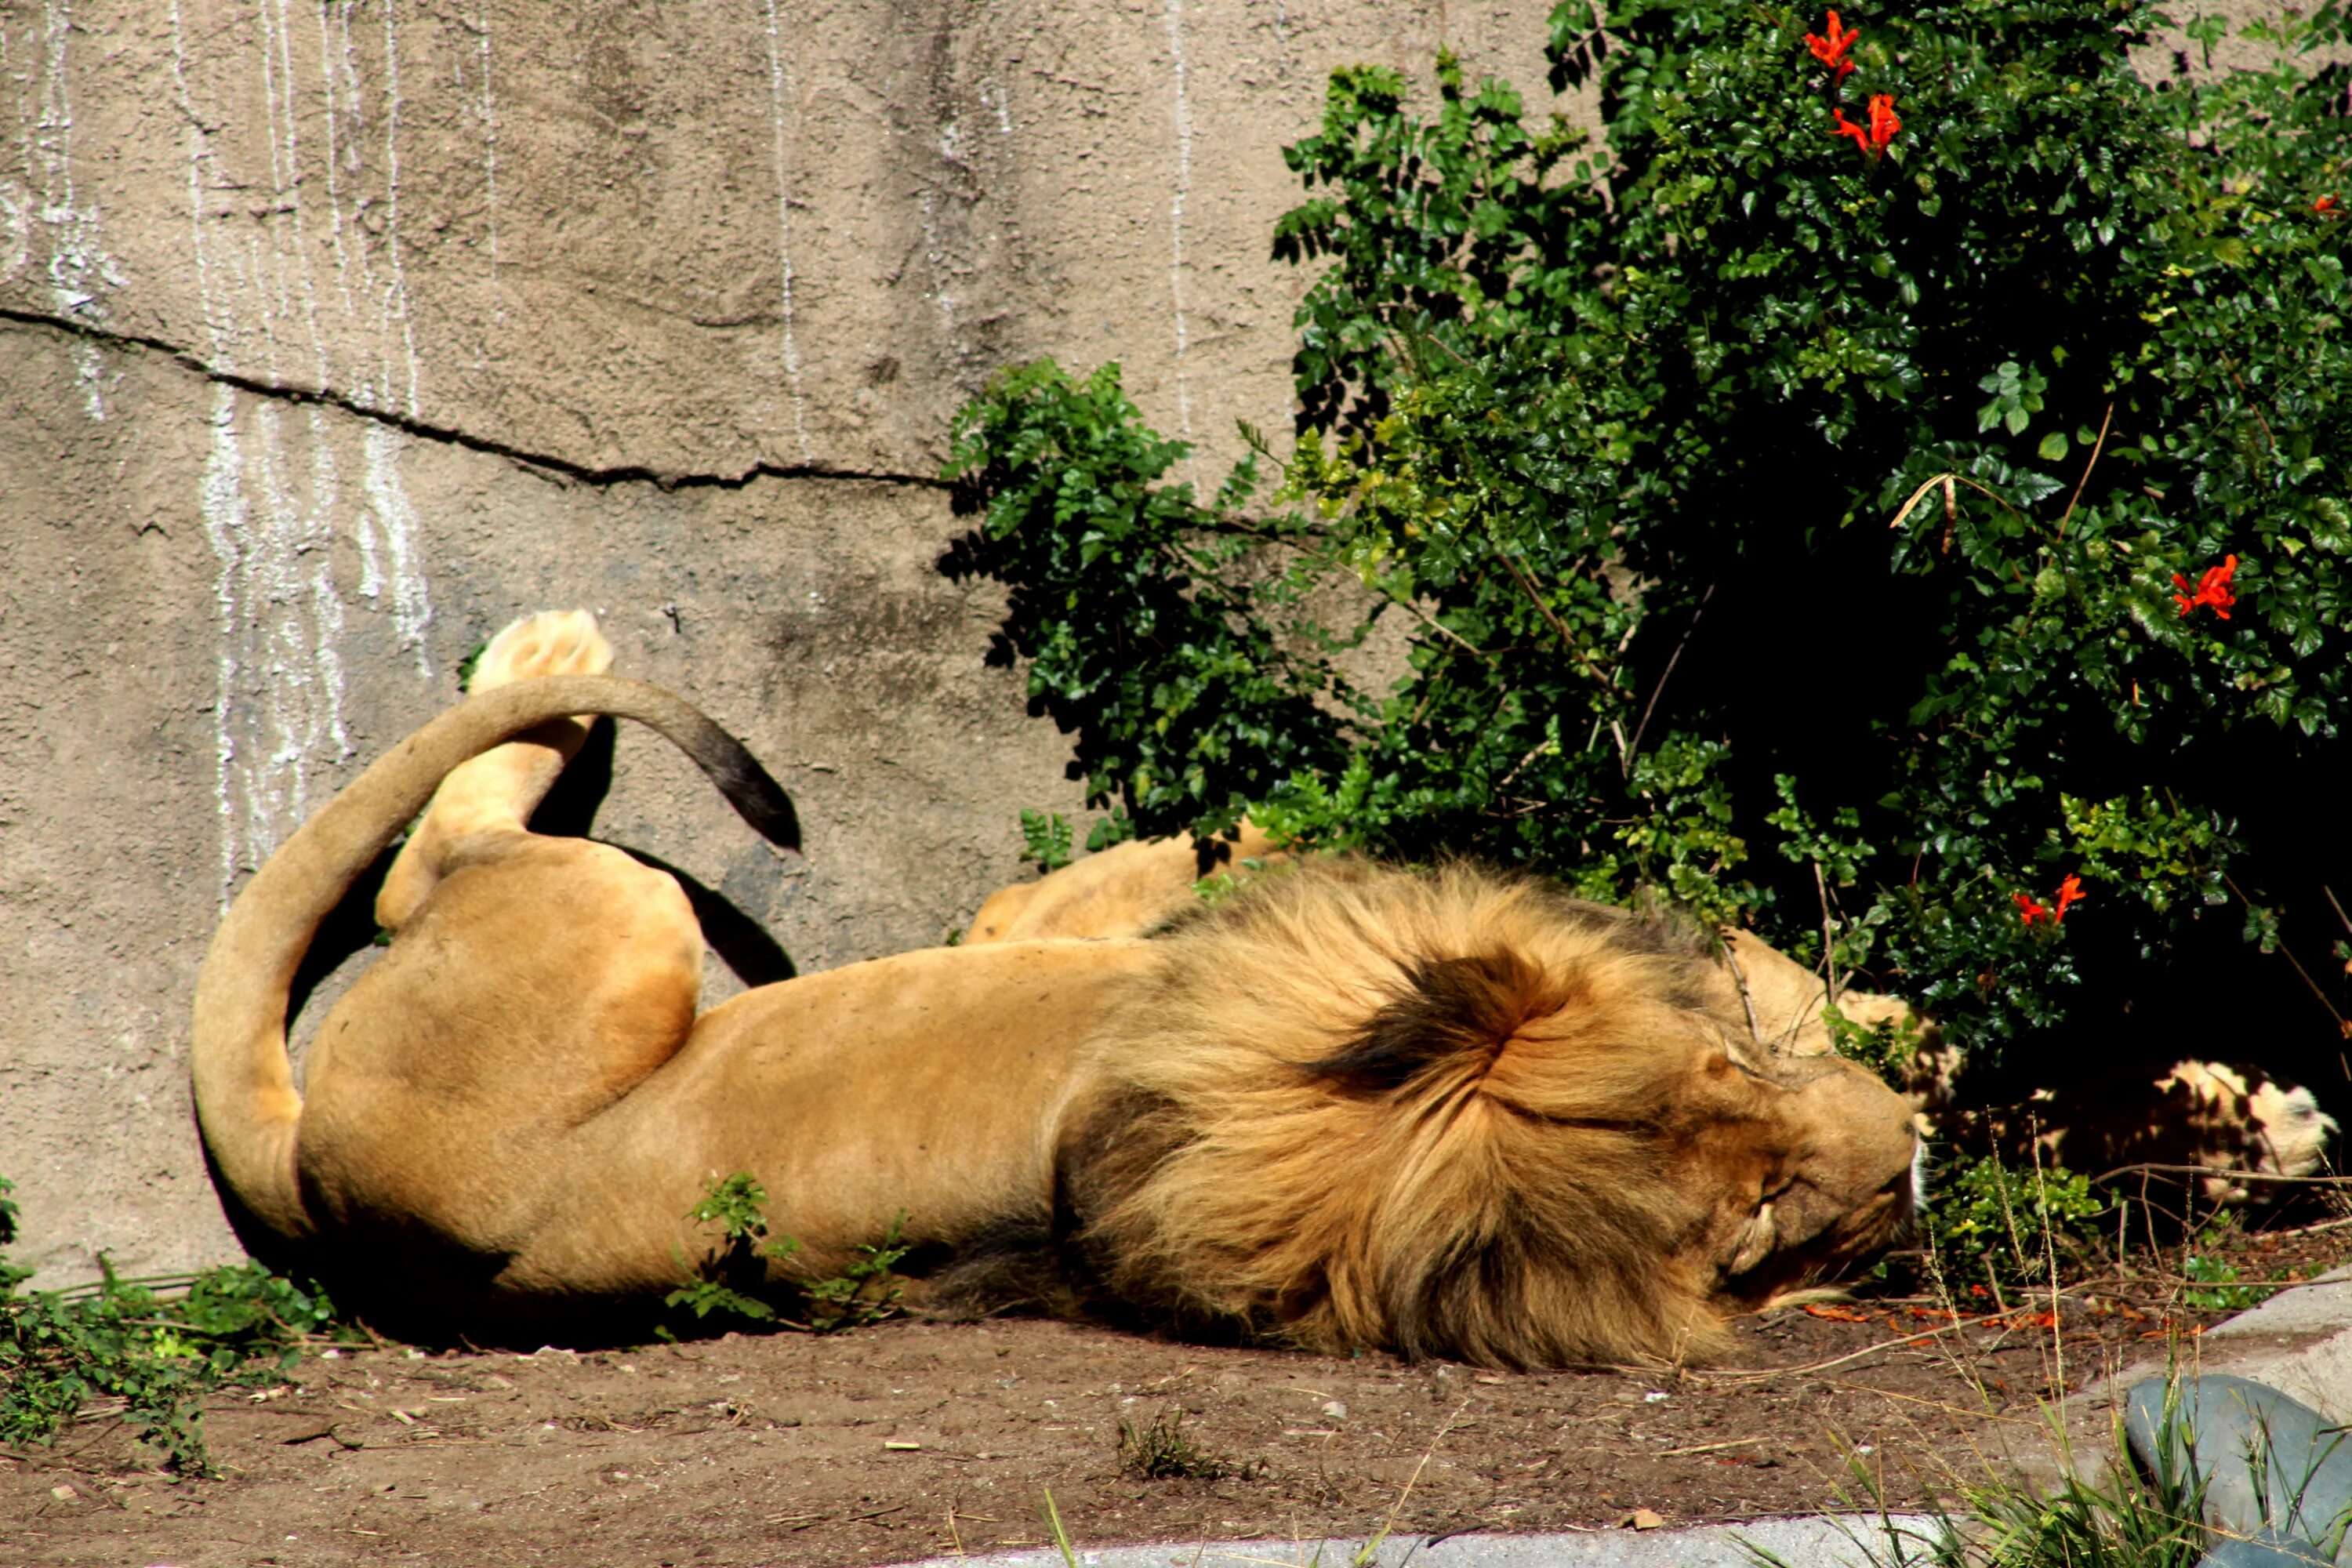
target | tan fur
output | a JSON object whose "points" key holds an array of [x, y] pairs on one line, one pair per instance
{"points": [[1124, 890], [1450, 1114]]}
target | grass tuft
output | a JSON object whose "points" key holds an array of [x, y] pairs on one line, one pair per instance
{"points": [[1162, 1450]]}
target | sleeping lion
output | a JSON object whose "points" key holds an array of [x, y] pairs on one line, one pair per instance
{"points": [[1444, 1113]]}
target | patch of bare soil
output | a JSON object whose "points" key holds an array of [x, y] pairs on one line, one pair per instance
{"points": [[919, 1439]]}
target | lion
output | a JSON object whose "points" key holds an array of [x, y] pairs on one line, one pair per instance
{"points": [[1444, 1113]]}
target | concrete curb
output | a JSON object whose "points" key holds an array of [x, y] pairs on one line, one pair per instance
{"points": [[2299, 1343], [1814, 1542]]}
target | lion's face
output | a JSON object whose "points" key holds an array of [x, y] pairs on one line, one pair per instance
{"points": [[1823, 1177]]}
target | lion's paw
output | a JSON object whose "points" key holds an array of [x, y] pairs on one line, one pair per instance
{"points": [[554, 642]]}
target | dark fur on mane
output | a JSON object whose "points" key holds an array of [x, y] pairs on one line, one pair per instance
{"points": [[1445, 1113]]}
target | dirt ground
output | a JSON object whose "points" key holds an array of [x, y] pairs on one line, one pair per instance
{"points": [[916, 1439]]}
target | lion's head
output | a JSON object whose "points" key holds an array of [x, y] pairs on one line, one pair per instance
{"points": [[1463, 1115]]}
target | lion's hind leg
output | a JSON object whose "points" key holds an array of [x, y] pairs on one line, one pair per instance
{"points": [[499, 789]]}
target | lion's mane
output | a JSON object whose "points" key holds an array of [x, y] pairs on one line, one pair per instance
{"points": [[1458, 1113]]}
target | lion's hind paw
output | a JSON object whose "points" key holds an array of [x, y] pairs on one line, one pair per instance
{"points": [[554, 642]]}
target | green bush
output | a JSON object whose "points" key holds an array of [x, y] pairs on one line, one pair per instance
{"points": [[1933, 534], [157, 1346]]}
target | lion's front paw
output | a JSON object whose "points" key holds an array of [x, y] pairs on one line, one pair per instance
{"points": [[554, 642]]}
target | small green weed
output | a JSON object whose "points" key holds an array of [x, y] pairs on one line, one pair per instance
{"points": [[465, 666], [2214, 1284], [1045, 839], [736, 1205], [1060, 1532], [735, 1269], [1160, 1449], [2214, 1287], [1215, 888], [866, 1292], [158, 1345], [1992, 1228]]}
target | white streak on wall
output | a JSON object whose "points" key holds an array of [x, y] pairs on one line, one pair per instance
{"points": [[280, 711], [335, 189], [80, 270], [326, 604], [784, 231], [993, 96], [199, 154], [491, 163], [15, 200], [365, 309], [309, 690], [412, 611], [274, 298], [292, 612], [220, 494], [16, 231], [1174, 17], [221, 498], [286, 163], [396, 296], [935, 250], [370, 570]]}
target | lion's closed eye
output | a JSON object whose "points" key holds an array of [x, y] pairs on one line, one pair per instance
{"points": [[1756, 1236]]}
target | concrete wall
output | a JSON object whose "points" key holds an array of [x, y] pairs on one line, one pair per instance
{"points": [[334, 334]]}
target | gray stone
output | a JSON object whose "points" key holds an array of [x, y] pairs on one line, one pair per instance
{"points": [[2268, 1462], [2268, 1549]]}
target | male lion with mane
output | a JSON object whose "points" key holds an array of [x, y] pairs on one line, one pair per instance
{"points": [[1445, 1114]]}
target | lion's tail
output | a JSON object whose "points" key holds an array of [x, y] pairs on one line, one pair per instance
{"points": [[246, 1101]]}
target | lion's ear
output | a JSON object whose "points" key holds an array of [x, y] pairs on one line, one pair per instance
{"points": [[1757, 1236]]}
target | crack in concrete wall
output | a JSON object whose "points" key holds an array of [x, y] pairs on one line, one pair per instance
{"points": [[662, 479]]}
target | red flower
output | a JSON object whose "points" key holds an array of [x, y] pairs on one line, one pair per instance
{"points": [[1883, 125], [1830, 51], [2032, 912], [2213, 588], [2325, 208]]}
